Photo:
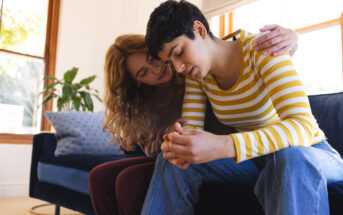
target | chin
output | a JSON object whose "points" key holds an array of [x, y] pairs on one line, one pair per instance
{"points": [[199, 75], [167, 79]]}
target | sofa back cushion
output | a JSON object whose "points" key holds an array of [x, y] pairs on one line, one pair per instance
{"points": [[79, 132], [328, 110]]}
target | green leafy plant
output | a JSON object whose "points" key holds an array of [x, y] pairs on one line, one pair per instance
{"points": [[74, 95]]}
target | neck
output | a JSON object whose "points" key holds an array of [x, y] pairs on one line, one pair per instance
{"points": [[225, 58]]}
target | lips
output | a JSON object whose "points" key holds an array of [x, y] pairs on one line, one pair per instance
{"points": [[190, 72]]}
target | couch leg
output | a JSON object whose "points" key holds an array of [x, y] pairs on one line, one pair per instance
{"points": [[57, 210]]}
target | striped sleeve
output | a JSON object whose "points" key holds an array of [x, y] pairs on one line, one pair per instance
{"points": [[194, 104], [290, 101]]}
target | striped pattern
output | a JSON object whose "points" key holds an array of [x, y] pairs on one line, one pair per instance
{"points": [[268, 105]]}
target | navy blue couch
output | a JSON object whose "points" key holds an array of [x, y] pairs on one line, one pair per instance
{"points": [[63, 180]]}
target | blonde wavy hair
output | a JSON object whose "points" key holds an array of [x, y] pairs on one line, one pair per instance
{"points": [[127, 103]]}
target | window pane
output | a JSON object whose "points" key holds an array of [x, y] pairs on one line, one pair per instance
{"points": [[297, 14], [319, 60], [20, 83], [214, 25], [253, 16], [23, 26]]}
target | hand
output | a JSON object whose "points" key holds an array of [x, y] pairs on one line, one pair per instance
{"points": [[196, 146], [278, 41], [172, 158], [172, 127]]}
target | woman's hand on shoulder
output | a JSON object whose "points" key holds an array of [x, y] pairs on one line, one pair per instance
{"points": [[277, 41]]}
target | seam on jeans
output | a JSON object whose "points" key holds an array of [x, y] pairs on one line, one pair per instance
{"points": [[319, 183], [154, 186], [317, 198]]}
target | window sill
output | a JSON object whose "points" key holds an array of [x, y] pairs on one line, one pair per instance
{"points": [[7, 138]]}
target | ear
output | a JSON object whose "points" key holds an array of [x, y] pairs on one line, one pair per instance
{"points": [[199, 29]]}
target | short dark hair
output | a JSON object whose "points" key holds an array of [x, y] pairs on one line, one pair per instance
{"points": [[170, 20]]}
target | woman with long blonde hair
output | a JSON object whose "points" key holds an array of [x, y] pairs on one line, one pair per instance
{"points": [[143, 99], [135, 110]]}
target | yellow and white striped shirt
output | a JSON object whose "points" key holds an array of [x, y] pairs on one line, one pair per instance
{"points": [[267, 106]]}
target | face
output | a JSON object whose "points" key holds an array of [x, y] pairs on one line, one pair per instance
{"points": [[147, 70], [189, 56]]}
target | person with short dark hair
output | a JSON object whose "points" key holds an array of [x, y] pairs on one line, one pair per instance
{"points": [[278, 146], [138, 115]]}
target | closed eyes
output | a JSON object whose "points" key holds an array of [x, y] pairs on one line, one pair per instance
{"points": [[180, 53], [143, 73]]}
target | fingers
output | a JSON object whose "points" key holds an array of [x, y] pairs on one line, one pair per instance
{"points": [[180, 163], [283, 50], [178, 128], [181, 120], [276, 48], [181, 139], [268, 27], [168, 146], [183, 164], [165, 146], [266, 44], [275, 31], [169, 155]]}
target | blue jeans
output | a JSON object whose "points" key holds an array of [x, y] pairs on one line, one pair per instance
{"points": [[290, 181]]}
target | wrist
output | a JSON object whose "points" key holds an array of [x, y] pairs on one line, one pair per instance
{"points": [[228, 149]]}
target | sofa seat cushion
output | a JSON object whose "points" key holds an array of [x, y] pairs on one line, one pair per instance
{"points": [[70, 178], [71, 171], [336, 188]]}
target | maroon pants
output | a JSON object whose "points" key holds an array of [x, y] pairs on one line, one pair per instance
{"points": [[119, 187]]}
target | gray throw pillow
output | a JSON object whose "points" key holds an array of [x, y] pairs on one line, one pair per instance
{"points": [[79, 132]]}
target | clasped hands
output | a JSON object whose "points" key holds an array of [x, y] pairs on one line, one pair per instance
{"points": [[185, 146]]}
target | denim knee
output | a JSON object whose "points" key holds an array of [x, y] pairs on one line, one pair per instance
{"points": [[295, 161]]}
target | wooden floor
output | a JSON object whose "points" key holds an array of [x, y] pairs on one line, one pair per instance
{"points": [[22, 206]]}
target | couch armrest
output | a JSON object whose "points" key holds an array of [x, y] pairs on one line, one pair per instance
{"points": [[43, 147]]}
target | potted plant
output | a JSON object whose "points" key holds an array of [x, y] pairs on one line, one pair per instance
{"points": [[74, 95]]}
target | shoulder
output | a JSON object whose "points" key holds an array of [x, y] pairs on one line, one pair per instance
{"points": [[247, 37]]}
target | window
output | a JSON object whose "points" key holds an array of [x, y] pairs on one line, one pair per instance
{"points": [[319, 26], [27, 53]]}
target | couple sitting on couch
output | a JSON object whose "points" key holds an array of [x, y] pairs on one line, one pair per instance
{"points": [[251, 85]]}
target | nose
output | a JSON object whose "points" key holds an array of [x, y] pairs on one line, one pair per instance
{"points": [[155, 69], [179, 66]]}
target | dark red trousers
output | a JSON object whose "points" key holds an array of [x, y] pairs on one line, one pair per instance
{"points": [[119, 187]]}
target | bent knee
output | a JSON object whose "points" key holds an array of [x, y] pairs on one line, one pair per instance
{"points": [[295, 157], [94, 175]]}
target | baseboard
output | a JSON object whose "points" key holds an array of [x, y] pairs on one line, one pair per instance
{"points": [[15, 189]]}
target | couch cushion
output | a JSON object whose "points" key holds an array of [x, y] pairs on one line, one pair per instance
{"points": [[71, 171], [71, 178], [328, 110], [336, 188], [79, 132]]}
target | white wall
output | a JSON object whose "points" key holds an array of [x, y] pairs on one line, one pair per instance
{"points": [[15, 161], [86, 29]]}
